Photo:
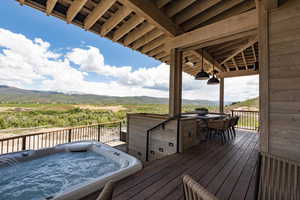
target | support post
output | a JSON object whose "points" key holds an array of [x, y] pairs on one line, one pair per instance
{"points": [[175, 89], [221, 100]]}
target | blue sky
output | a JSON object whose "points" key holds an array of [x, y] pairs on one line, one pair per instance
{"points": [[45, 53]]}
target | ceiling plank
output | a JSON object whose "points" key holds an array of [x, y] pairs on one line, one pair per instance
{"points": [[237, 73], [127, 26], [231, 26], [97, 13], [218, 9], [74, 9], [249, 44], [194, 10], [49, 6], [154, 15], [138, 33], [114, 20]]}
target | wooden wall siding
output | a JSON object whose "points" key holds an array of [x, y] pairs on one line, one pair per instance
{"points": [[280, 179], [162, 141], [146, 26], [284, 80]]}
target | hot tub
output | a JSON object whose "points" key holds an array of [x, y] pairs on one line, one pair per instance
{"points": [[68, 171]]}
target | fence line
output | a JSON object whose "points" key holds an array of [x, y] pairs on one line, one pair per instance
{"points": [[105, 133], [248, 119]]}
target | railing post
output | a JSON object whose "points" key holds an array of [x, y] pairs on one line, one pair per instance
{"points": [[147, 146], [70, 135], [99, 132], [232, 113], [120, 130], [24, 143]]}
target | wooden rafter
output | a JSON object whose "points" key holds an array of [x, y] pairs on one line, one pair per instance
{"points": [[114, 20], [236, 25], [161, 3], [177, 6], [194, 10], [97, 13], [254, 53], [244, 59], [154, 15], [234, 63], [237, 73], [153, 44], [49, 6], [127, 26], [249, 44], [148, 37], [218, 9], [74, 9], [138, 33]]}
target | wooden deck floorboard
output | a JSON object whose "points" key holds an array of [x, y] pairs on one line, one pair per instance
{"points": [[228, 171]]}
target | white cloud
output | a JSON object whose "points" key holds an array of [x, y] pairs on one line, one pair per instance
{"points": [[30, 63]]}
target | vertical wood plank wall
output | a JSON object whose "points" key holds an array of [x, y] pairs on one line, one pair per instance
{"points": [[280, 80]]}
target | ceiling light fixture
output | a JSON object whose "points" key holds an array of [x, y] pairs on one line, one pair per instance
{"points": [[202, 75], [213, 80]]}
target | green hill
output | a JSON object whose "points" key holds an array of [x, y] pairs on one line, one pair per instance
{"points": [[249, 104], [15, 95]]}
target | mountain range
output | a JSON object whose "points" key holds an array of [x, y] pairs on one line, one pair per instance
{"points": [[10, 94]]}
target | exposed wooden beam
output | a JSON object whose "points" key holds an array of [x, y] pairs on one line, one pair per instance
{"points": [[97, 13], [153, 44], [194, 10], [127, 26], [155, 33], [254, 53], [161, 3], [218, 9], [74, 9], [270, 4], [244, 60], [115, 20], [177, 6], [234, 25], [138, 33], [49, 6], [237, 73], [234, 63], [249, 44], [150, 12]]}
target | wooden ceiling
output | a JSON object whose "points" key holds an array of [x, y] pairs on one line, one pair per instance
{"points": [[147, 25]]}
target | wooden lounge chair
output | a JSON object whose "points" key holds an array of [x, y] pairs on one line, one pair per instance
{"points": [[194, 191], [107, 191]]}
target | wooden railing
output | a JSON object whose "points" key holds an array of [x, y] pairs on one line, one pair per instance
{"points": [[248, 119], [105, 133]]}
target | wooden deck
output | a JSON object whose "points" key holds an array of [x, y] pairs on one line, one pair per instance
{"points": [[228, 171]]}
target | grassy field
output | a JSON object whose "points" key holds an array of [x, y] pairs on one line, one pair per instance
{"points": [[64, 115]]}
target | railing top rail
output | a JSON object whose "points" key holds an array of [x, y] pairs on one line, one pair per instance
{"points": [[163, 122], [255, 111], [63, 129]]}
